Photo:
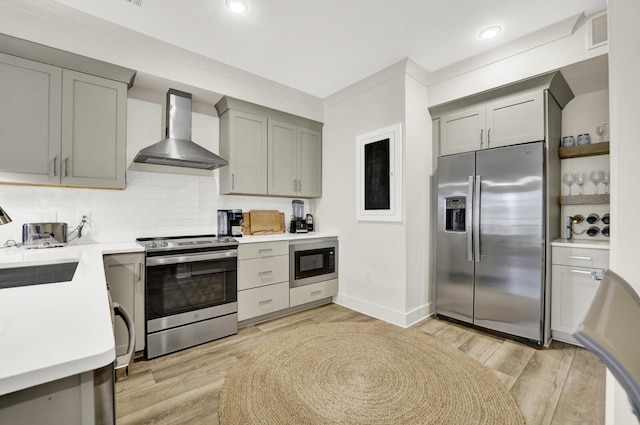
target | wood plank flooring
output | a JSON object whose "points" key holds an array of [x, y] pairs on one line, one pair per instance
{"points": [[561, 385]]}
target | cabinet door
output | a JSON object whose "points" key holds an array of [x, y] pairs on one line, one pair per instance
{"points": [[515, 119], [93, 131], [462, 131], [282, 159], [125, 277], [309, 162], [246, 137], [29, 121], [572, 292]]}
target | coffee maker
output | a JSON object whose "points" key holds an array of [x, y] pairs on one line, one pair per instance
{"points": [[298, 221], [230, 223]]}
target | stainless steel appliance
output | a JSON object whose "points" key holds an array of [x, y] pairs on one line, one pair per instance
{"points": [[177, 149], [491, 240], [230, 223], [44, 235], [191, 291], [311, 262], [298, 221]]}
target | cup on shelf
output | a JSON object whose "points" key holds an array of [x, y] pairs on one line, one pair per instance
{"points": [[596, 177], [580, 179], [567, 141], [584, 139]]}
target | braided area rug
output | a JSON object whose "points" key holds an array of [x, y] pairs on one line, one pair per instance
{"points": [[362, 373]]}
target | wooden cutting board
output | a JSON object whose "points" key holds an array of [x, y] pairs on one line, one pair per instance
{"points": [[264, 222]]}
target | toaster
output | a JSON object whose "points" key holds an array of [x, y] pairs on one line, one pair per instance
{"points": [[44, 235]]}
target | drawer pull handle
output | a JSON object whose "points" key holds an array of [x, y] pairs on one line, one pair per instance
{"points": [[580, 272], [316, 293], [265, 272], [577, 257], [265, 301], [264, 251]]}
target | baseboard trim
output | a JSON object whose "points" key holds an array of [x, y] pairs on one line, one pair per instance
{"points": [[385, 314]]}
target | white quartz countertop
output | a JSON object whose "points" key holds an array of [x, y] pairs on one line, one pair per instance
{"points": [[285, 237], [54, 330], [581, 243]]}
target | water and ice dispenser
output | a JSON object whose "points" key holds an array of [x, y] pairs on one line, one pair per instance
{"points": [[455, 213]]}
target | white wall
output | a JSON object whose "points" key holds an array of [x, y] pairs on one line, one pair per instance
{"points": [[417, 190], [624, 69], [372, 254]]}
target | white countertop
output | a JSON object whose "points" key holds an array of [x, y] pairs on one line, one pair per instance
{"points": [[285, 237], [581, 243], [55, 330]]}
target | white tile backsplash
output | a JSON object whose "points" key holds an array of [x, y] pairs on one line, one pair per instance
{"points": [[153, 204]]}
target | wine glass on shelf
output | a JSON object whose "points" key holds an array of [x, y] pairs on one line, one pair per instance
{"points": [[605, 181], [580, 179], [567, 178], [596, 177]]}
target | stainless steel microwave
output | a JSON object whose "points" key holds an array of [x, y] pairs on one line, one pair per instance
{"points": [[313, 261]]}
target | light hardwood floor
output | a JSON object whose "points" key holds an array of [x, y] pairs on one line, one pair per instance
{"points": [[561, 385]]}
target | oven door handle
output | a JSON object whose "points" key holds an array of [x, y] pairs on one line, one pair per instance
{"points": [[190, 258]]}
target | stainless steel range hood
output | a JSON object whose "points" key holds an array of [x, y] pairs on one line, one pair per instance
{"points": [[177, 149]]}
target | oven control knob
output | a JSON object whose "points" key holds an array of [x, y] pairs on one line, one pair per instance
{"points": [[164, 244], [152, 245]]}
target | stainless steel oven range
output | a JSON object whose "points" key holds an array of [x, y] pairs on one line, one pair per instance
{"points": [[190, 291]]}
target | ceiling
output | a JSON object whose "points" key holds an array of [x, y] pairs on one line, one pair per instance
{"points": [[321, 47]]}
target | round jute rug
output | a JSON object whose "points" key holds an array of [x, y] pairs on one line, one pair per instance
{"points": [[362, 373]]}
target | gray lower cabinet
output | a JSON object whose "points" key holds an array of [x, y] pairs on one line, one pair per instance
{"points": [[61, 127], [270, 152], [263, 278], [125, 277], [572, 287]]}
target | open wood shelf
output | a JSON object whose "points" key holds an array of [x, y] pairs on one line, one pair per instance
{"points": [[591, 149], [584, 199]]}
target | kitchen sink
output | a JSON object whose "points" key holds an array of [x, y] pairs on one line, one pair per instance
{"points": [[11, 277]]}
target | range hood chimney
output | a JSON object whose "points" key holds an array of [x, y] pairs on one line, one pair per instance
{"points": [[177, 149]]}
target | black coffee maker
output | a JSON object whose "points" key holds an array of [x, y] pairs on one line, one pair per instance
{"points": [[298, 221], [230, 223]]}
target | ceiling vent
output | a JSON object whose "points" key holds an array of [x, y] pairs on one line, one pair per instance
{"points": [[597, 34], [136, 2]]}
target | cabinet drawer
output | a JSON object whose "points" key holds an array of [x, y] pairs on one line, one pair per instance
{"points": [[262, 271], [266, 299], [581, 257], [315, 291], [262, 249]]}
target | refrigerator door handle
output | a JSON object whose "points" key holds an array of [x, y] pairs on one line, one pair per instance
{"points": [[469, 220], [476, 218]]}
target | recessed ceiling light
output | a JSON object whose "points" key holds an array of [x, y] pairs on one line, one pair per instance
{"points": [[237, 6], [490, 32]]}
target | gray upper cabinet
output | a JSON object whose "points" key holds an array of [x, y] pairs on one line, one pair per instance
{"points": [[59, 126], [505, 121], [508, 115], [30, 121], [270, 152], [243, 142], [94, 114], [295, 160]]}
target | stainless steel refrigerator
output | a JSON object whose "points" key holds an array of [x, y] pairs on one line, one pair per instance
{"points": [[490, 248]]}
